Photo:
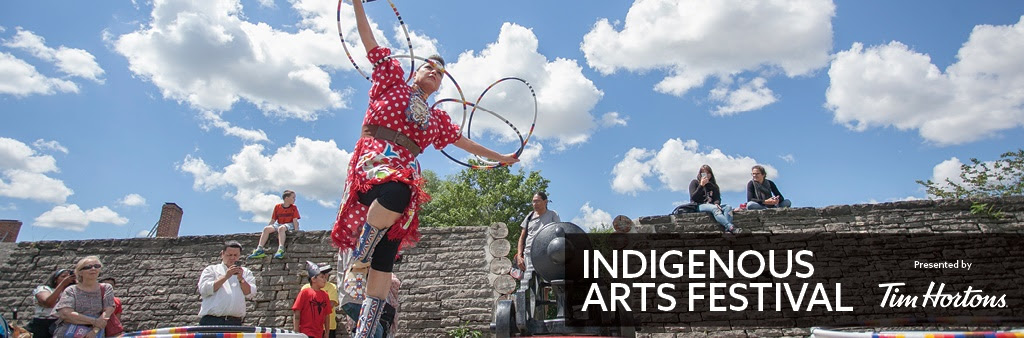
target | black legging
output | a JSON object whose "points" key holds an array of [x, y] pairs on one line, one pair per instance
{"points": [[395, 197], [40, 327]]}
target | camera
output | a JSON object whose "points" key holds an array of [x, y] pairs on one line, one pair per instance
{"points": [[238, 263]]}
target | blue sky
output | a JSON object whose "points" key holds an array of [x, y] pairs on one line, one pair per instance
{"points": [[111, 109]]}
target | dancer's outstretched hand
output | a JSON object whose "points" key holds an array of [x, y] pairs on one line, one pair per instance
{"points": [[508, 158]]}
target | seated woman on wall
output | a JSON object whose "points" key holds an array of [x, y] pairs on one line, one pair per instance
{"points": [[704, 192], [85, 306], [762, 192]]}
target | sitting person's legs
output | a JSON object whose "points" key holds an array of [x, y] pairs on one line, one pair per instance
{"points": [[751, 205], [723, 218], [281, 236], [259, 252]]}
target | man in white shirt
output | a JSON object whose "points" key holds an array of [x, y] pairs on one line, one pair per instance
{"points": [[224, 288]]}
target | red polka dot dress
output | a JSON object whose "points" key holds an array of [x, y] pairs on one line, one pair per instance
{"points": [[375, 161]]}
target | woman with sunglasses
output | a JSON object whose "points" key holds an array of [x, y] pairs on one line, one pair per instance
{"points": [[46, 297], [88, 303], [383, 189], [705, 193]]}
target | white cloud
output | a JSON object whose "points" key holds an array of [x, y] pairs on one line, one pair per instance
{"points": [[612, 119], [71, 217], [531, 155], [132, 200], [211, 119], [17, 155], [313, 169], [677, 163], [24, 174], [750, 96], [41, 144], [789, 158], [266, 3], [590, 218], [949, 169], [19, 78], [34, 186], [281, 73], [630, 173], [892, 85], [422, 45], [695, 40], [565, 97], [71, 61]]}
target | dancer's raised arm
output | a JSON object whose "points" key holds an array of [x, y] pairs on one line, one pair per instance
{"points": [[363, 26]]}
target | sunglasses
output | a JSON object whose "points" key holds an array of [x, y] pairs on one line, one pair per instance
{"points": [[90, 267]]}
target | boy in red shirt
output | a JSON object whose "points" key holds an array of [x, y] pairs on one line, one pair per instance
{"points": [[286, 215], [313, 305]]}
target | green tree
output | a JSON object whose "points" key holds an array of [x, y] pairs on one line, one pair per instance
{"points": [[980, 179], [481, 197]]}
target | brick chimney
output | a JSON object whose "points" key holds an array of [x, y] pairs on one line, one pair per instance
{"points": [[170, 221], [9, 230]]}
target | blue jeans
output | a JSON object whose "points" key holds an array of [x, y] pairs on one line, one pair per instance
{"points": [[751, 205], [722, 215]]}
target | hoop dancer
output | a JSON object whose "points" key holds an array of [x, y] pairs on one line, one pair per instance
{"points": [[383, 191]]}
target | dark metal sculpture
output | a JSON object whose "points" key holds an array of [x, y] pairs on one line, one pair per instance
{"points": [[527, 312]]}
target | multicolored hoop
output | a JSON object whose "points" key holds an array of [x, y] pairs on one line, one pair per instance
{"points": [[467, 117], [532, 124], [488, 164], [468, 125], [401, 22]]}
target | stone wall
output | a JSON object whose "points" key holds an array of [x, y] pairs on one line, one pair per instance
{"points": [[926, 216], [444, 277], [5, 251], [445, 281]]}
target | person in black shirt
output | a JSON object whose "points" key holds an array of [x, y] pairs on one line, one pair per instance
{"points": [[762, 192], [705, 193]]}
